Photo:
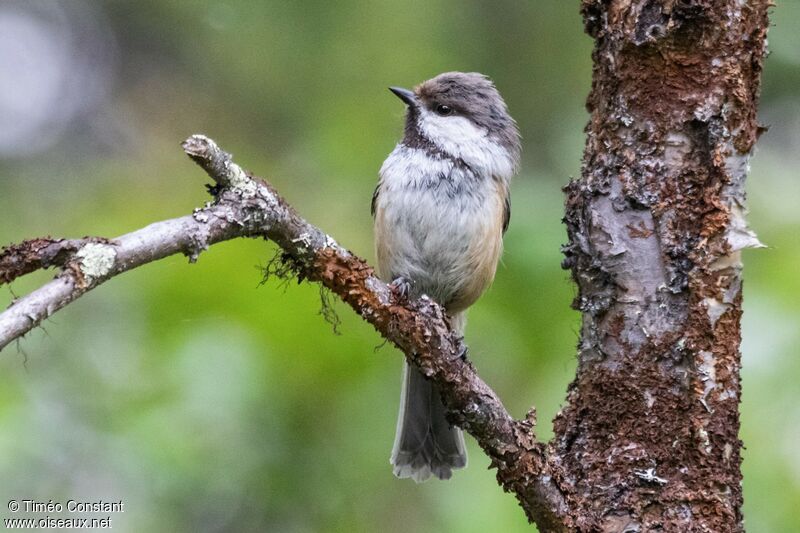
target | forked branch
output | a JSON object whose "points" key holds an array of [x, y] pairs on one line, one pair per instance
{"points": [[245, 206]]}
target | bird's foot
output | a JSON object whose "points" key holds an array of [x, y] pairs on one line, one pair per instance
{"points": [[463, 352], [402, 288]]}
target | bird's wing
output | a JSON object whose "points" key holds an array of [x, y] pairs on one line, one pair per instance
{"points": [[506, 211], [374, 199]]}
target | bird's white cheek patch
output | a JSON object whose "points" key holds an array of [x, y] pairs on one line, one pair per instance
{"points": [[461, 138], [452, 134]]}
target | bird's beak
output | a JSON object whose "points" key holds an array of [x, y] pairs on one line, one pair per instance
{"points": [[405, 95]]}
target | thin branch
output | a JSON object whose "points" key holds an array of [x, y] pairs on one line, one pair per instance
{"points": [[35, 254], [245, 207]]}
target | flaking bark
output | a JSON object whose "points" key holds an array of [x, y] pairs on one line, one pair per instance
{"points": [[649, 437]]}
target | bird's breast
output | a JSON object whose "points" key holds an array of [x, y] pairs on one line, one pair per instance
{"points": [[438, 224]]}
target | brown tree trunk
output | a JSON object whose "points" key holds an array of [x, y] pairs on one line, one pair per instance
{"points": [[649, 438]]}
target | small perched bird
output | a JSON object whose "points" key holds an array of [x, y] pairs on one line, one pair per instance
{"points": [[440, 210]]}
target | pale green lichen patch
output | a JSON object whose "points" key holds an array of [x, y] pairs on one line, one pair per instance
{"points": [[96, 260], [200, 215], [240, 182]]}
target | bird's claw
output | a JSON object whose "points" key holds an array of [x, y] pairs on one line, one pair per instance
{"points": [[402, 287], [463, 353]]}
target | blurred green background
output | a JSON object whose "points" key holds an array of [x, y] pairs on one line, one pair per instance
{"points": [[208, 403]]}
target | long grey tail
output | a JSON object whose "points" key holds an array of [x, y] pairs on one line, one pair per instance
{"points": [[425, 444]]}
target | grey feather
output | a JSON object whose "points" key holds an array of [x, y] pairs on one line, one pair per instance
{"points": [[426, 443]]}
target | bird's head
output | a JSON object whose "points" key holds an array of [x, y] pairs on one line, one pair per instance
{"points": [[462, 115]]}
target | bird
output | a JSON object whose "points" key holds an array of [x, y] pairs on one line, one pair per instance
{"points": [[440, 210]]}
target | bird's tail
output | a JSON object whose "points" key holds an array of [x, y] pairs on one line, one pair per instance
{"points": [[426, 443]]}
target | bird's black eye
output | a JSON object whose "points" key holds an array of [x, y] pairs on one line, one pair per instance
{"points": [[444, 110]]}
